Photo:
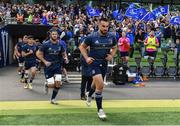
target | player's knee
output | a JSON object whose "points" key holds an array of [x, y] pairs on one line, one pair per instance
{"points": [[57, 84], [100, 87], [33, 70]]}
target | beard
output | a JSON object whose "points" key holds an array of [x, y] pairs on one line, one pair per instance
{"points": [[53, 39], [103, 32]]}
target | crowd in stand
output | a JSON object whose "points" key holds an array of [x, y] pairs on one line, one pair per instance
{"points": [[74, 22]]}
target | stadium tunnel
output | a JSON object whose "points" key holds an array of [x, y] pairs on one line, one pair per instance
{"points": [[10, 34]]}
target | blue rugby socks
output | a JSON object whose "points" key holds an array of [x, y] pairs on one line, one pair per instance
{"points": [[98, 97], [55, 92]]}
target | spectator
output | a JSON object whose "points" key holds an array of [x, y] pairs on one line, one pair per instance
{"points": [[20, 18], [124, 46]]}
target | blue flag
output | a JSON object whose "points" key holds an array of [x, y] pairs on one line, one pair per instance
{"points": [[138, 13], [175, 20], [161, 10], [131, 12], [164, 9], [44, 20], [119, 17], [115, 13], [92, 12], [156, 12], [149, 17], [131, 6], [141, 13]]}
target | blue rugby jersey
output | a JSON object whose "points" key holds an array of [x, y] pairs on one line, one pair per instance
{"points": [[20, 46], [31, 57], [100, 45], [52, 52]]}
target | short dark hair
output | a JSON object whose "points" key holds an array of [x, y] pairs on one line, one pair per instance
{"points": [[104, 19], [30, 37], [53, 30]]}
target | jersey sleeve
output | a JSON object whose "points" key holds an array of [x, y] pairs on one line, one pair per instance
{"points": [[43, 48], [62, 49], [87, 40], [24, 48]]}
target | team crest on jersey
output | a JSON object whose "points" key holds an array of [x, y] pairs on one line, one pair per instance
{"points": [[96, 42], [93, 71]]}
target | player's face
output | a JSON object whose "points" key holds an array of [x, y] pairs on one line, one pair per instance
{"points": [[103, 27], [54, 35], [25, 39], [30, 41]]}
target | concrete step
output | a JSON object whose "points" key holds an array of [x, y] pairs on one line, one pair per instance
{"points": [[75, 82], [74, 79]]}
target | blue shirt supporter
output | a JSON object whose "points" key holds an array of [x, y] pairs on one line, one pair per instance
{"points": [[100, 45], [27, 48], [131, 37], [52, 52]]}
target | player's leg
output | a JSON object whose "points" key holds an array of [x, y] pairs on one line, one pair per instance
{"points": [[33, 73], [58, 78], [99, 83], [26, 76]]}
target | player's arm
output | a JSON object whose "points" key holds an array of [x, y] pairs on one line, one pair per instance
{"points": [[113, 50], [40, 55], [24, 54], [64, 54], [16, 53], [83, 48]]}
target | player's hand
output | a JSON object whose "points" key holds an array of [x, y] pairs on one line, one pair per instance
{"points": [[89, 60], [47, 63], [18, 54], [66, 60], [109, 57]]}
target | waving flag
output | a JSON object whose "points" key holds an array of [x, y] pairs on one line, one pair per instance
{"points": [[138, 13], [115, 13], [133, 12], [156, 12], [175, 20], [119, 17], [164, 9], [161, 10], [131, 6], [92, 12], [149, 17], [141, 13]]}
